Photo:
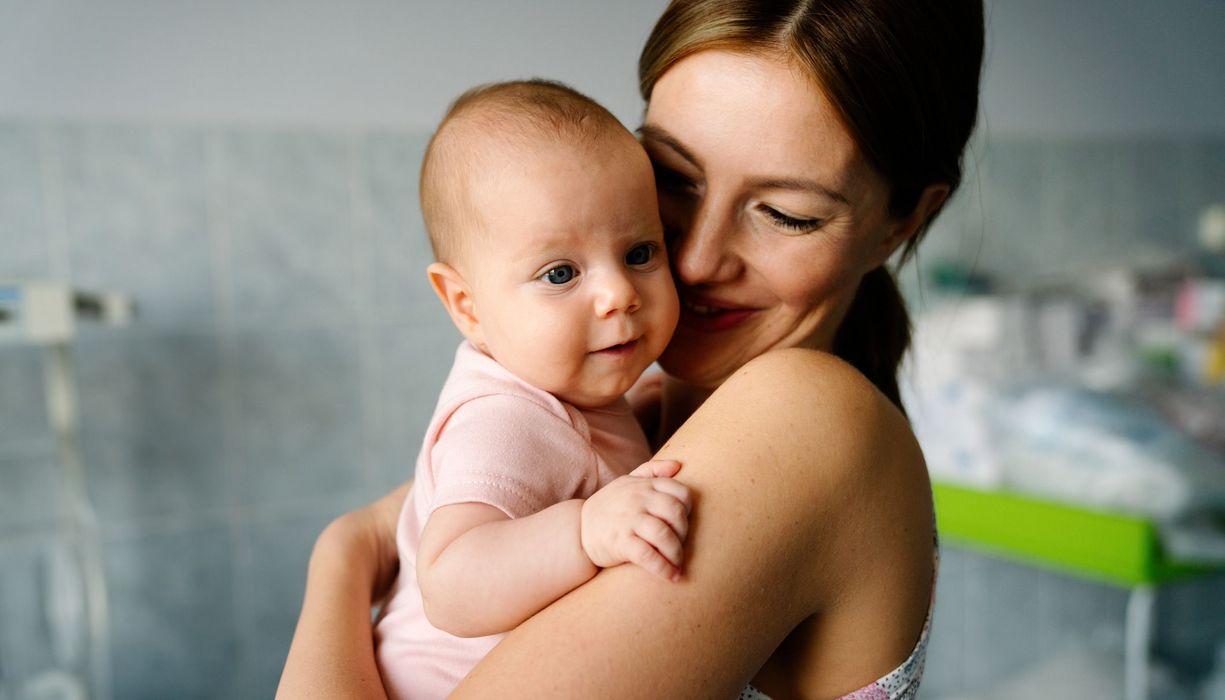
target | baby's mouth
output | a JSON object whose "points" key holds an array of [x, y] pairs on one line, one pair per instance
{"points": [[620, 348]]}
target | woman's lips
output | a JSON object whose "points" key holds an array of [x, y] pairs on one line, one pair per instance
{"points": [[707, 315]]}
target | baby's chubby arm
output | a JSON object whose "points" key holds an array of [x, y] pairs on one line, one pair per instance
{"points": [[481, 572]]}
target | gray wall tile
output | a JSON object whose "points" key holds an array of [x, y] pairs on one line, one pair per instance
{"points": [[287, 215], [1160, 200], [23, 407], [173, 632], [23, 244], [416, 361], [1003, 626], [1076, 225], [1010, 183], [136, 215], [299, 414], [1084, 609], [1208, 172], [152, 432], [1014, 617], [273, 554], [946, 645], [32, 495], [400, 246]]}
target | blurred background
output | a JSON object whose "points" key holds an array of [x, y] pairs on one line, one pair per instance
{"points": [[245, 173]]}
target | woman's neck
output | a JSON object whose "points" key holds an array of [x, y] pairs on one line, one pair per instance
{"points": [[678, 401]]}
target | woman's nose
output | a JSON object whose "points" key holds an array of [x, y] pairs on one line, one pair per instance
{"points": [[701, 254], [616, 293]]}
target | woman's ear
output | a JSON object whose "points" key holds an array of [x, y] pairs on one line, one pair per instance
{"points": [[904, 228], [454, 294]]}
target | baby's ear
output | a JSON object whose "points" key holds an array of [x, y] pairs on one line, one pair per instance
{"points": [[453, 291]]}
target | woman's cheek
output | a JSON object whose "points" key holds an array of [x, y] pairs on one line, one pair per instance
{"points": [[818, 283]]}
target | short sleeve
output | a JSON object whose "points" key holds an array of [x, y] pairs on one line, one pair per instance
{"points": [[511, 453]]}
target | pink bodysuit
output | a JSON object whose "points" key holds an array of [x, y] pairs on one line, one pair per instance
{"points": [[493, 439]]}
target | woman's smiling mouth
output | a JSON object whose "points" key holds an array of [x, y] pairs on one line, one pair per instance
{"points": [[707, 315]]}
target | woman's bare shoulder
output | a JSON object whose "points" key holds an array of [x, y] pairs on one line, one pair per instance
{"points": [[831, 426], [774, 460], [807, 376]]}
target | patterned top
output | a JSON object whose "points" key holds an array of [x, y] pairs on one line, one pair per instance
{"points": [[902, 683]]}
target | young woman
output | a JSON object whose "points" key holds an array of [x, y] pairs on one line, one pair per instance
{"points": [[797, 146]]}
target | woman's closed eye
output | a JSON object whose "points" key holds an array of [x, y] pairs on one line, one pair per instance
{"points": [[787, 221]]}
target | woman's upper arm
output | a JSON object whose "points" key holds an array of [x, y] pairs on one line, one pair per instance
{"points": [[772, 459]]}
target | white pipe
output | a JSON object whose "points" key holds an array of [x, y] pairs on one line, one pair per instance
{"points": [[62, 409]]}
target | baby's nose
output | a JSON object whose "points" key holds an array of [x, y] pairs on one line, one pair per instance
{"points": [[616, 293]]}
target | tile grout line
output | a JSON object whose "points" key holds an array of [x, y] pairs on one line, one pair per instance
{"points": [[234, 515], [370, 367]]}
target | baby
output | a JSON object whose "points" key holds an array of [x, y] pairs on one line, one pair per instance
{"points": [[542, 212]]}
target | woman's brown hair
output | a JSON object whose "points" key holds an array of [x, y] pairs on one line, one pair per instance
{"points": [[904, 76]]}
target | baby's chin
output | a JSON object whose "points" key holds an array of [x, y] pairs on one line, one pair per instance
{"points": [[596, 397]]}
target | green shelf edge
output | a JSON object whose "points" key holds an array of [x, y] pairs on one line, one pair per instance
{"points": [[1106, 547]]}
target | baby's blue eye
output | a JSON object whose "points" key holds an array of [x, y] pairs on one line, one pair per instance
{"points": [[640, 255], [559, 275]]}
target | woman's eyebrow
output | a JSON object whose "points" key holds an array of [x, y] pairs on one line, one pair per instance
{"points": [[791, 183], [657, 134]]}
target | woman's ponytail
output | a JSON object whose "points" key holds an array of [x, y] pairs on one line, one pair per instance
{"points": [[876, 332]]}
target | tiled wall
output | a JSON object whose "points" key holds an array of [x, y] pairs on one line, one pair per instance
{"points": [[281, 371], [288, 352], [1052, 208]]}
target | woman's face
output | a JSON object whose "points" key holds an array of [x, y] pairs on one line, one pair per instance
{"points": [[771, 212]]}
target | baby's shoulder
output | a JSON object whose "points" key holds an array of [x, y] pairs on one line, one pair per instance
{"points": [[478, 383]]}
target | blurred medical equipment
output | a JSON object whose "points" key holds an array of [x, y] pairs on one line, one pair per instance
{"points": [[73, 596], [1064, 403]]}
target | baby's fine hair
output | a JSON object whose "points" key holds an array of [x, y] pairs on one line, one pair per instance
{"points": [[517, 114]]}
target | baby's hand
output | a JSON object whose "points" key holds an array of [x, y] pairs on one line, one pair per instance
{"points": [[642, 517]]}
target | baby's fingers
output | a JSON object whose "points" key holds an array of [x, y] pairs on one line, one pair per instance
{"points": [[674, 489], [657, 468], [672, 511], [642, 554], [662, 537]]}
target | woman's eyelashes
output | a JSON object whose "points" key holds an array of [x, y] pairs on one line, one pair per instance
{"points": [[673, 183], [787, 221]]}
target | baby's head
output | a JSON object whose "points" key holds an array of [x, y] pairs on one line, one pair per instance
{"points": [[542, 212]]}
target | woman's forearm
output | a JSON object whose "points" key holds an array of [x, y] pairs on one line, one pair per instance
{"points": [[332, 653], [353, 563]]}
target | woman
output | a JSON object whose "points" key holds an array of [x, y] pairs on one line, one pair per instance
{"points": [[797, 146]]}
